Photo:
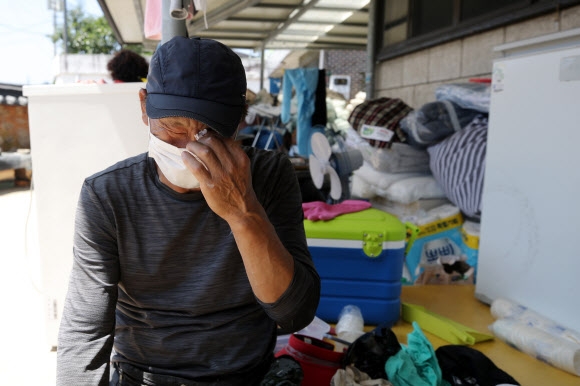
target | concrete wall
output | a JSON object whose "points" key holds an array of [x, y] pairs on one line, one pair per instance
{"points": [[73, 68], [414, 77]]}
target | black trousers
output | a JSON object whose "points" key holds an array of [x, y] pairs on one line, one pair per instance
{"points": [[124, 374]]}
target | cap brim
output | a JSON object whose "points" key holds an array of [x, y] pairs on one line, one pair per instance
{"points": [[222, 118]]}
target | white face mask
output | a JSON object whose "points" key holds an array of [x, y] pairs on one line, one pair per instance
{"points": [[168, 159]]}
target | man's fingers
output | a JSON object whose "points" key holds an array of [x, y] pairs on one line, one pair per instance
{"points": [[216, 151], [195, 165], [196, 158], [204, 155]]}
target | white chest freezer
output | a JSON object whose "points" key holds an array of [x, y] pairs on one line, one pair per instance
{"points": [[75, 130], [530, 223]]}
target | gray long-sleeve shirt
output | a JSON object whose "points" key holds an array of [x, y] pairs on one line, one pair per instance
{"points": [[158, 277]]}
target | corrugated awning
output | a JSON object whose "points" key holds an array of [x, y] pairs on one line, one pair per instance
{"points": [[258, 24]]}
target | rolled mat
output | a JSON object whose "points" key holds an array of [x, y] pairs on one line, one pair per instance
{"points": [[554, 350], [504, 308]]}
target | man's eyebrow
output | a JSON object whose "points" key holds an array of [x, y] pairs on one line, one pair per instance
{"points": [[173, 124]]}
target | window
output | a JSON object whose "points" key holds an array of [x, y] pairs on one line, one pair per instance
{"points": [[411, 25], [475, 8], [429, 15]]}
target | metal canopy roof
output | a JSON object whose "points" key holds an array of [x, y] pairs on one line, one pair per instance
{"points": [[258, 24]]}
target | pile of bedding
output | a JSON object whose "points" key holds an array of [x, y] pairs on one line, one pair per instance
{"points": [[430, 155]]}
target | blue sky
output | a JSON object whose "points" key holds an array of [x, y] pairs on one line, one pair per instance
{"points": [[26, 52]]}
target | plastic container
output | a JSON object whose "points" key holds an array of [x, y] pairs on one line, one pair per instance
{"points": [[317, 358], [350, 323], [316, 329], [359, 257]]}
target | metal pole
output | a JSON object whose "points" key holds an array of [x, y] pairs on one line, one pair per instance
{"points": [[65, 35], [262, 65], [374, 40], [170, 27], [54, 29]]}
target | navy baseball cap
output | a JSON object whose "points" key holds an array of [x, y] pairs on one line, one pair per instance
{"points": [[200, 79]]}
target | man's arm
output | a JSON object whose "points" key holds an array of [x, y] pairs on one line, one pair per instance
{"points": [[280, 280], [87, 327]]}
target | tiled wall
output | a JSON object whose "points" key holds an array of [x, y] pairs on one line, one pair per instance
{"points": [[414, 77], [353, 63]]}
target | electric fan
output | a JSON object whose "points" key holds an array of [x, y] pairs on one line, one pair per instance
{"points": [[337, 165]]}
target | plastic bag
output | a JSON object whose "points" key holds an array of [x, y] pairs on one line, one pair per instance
{"points": [[369, 353]]}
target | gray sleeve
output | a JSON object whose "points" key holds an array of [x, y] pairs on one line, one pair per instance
{"points": [[87, 327], [297, 306]]}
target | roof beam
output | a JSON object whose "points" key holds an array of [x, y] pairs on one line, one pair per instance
{"points": [[220, 14], [278, 45], [327, 34], [111, 21], [318, 8], [258, 32], [140, 15], [257, 20], [287, 23]]}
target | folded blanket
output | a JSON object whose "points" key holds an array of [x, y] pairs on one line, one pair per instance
{"points": [[403, 188], [458, 164], [474, 96], [434, 122]]}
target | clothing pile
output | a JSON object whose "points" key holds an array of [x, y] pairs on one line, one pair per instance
{"points": [[453, 129], [430, 156], [377, 358], [394, 176]]}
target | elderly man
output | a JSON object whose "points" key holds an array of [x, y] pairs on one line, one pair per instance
{"points": [[188, 258]]}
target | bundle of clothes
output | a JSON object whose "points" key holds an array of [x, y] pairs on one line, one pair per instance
{"points": [[418, 159], [377, 358]]}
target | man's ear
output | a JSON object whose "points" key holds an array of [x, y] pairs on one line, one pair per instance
{"points": [[142, 100]]}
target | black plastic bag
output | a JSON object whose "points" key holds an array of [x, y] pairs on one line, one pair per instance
{"points": [[370, 352]]}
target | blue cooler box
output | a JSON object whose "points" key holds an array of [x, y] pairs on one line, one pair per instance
{"points": [[359, 257]]}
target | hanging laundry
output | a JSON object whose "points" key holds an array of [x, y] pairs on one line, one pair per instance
{"points": [[152, 25], [304, 81], [319, 117]]}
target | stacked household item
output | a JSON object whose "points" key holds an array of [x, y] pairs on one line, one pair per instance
{"points": [[441, 248], [453, 130], [395, 176], [536, 335], [359, 256]]}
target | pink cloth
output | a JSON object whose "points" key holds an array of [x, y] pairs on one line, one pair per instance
{"points": [[152, 25], [318, 210]]}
